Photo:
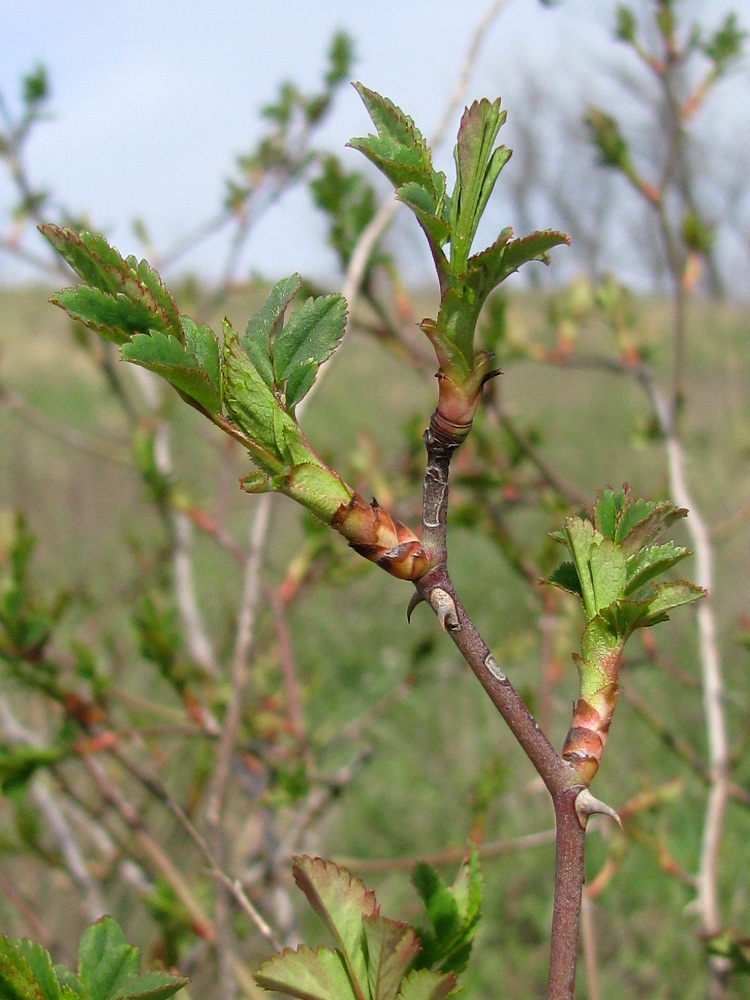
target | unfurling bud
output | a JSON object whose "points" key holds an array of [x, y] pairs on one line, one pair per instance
{"points": [[374, 534], [584, 744]]}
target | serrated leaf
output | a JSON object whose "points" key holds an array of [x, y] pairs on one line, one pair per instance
{"points": [[641, 523], [608, 574], [251, 405], [440, 906], [151, 986], [311, 335], [103, 268], [307, 975], [299, 383], [607, 510], [114, 317], [105, 960], [478, 165], [426, 985], [201, 342], [70, 985], [42, 968], [518, 252], [17, 981], [468, 887], [391, 946], [266, 324], [667, 596], [399, 150], [566, 578], [453, 912], [391, 122], [167, 357], [341, 901], [423, 204], [580, 535], [650, 562]]}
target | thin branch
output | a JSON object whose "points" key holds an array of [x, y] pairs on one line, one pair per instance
{"points": [[194, 630], [451, 855], [219, 785], [31, 417], [707, 903], [55, 823]]}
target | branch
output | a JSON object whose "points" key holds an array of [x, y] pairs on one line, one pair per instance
{"points": [[713, 688]]}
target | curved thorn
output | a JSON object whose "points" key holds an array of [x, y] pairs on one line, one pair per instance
{"points": [[587, 805], [416, 600]]}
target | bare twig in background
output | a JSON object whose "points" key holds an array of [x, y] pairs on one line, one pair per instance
{"points": [[196, 637], [588, 944], [452, 855], [707, 903], [56, 824], [72, 438], [219, 784]]}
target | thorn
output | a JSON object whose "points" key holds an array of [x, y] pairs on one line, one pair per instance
{"points": [[445, 609], [587, 805], [416, 600]]}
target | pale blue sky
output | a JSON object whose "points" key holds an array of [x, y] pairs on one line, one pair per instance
{"points": [[152, 99]]}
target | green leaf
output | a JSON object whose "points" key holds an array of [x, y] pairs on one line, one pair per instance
{"points": [[423, 984], [641, 523], [608, 574], [19, 763], [17, 980], [650, 562], [266, 324], [468, 887], [607, 510], [108, 968], [308, 975], [609, 140], [202, 344], [580, 536], [311, 335], [252, 406], [40, 963], [350, 203], [423, 204], [732, 945], [341, 901], [102, 268], [105, 961], [399, 149], [391, 947], [114, 317], [566, 578], [666, 597], [478, 165], [518, 252], [401, 153], [453, 913], [151, 986], [179, 365]]}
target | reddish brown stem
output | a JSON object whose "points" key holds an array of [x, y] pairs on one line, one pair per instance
{"points": [[559, 775]]}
